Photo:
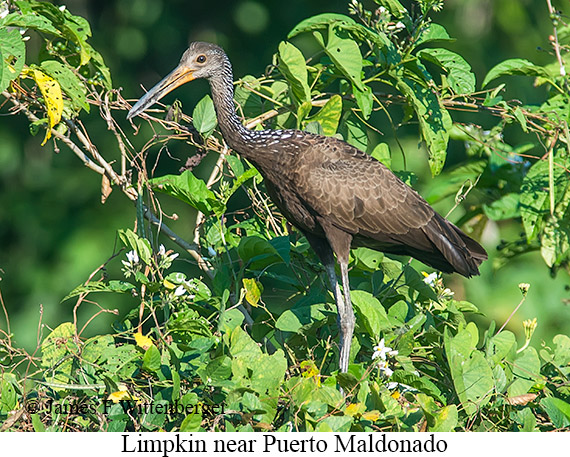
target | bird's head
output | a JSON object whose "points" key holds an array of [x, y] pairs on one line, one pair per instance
{"points": [[201, 60]]}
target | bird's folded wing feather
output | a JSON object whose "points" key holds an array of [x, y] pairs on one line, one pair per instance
{"points": [[361, 196]]}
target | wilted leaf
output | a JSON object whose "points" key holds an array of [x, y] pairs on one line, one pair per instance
{"points": [[253, 290], [521, 399], [53, 99], [143, 341]]}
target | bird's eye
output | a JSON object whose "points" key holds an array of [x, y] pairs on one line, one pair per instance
{"points": [[201, 58]]}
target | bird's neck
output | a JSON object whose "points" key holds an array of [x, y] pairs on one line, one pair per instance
{"points": [[236, 135]]}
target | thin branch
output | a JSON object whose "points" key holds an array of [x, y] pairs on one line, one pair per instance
{"points": [[68, 142], [554, 40]]}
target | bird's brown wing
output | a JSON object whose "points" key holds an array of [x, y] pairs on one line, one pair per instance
{"points": [[359, 195]]}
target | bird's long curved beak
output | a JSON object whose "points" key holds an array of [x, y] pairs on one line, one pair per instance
{"points": [[180, 75]]}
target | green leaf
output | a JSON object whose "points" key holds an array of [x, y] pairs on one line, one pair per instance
{"points": [[136, 243], [30, 21], [506, 207], [345, 54], [395, 7], [355, 131], [318, 22], [101, 286], [8, 397], [558, 411], [434, 32], [189, 189], [12, 56], [526, 371], [56, 349], [451, 181], [438, 419], [151, 359], [74, 28], [500, 346], [381, 152], [242, 346], [534, 193], [364, 100], [269, 371], [204, 116], [258, 253], [514, 67], [192, 422], [69, 82], [370, 312], [297, 318], [459, 74], [472, 376], [292, 65], [37, 423], [435, 121], [329, 115], [217, 370]]}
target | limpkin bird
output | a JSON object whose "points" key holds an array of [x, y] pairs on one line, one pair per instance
{"points": [[335, 194]]}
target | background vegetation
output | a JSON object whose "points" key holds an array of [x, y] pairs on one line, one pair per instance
{"points": [[55, 232]]}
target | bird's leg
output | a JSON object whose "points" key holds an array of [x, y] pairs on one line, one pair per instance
{"points": [[345, 318], [340, 243], [340, 306]]}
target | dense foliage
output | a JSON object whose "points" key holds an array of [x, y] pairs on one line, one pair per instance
{"points": [[251, 343]]}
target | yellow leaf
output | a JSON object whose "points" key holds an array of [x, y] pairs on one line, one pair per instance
{"points": [[252, 291], [355, 409], [53, 99], [310, 370], [371, 415], [169, 285], [121, 394], [143, 341]]}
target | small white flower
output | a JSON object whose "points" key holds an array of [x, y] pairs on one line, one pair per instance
{"points": [[62, 8], [4, 10], [384, 368], [431, 279], [400, 25], [382, 351], [161, 250], [180, 290], [133, 257], [447, 293], [381, 10]]}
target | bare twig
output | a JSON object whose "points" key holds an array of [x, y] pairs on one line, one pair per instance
{"points": [[554, 40]]}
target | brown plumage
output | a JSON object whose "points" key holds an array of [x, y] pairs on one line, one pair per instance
{"points": [[335, 194]]}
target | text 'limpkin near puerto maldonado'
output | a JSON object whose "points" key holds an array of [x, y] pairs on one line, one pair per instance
{"points": [[335, 194]]}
